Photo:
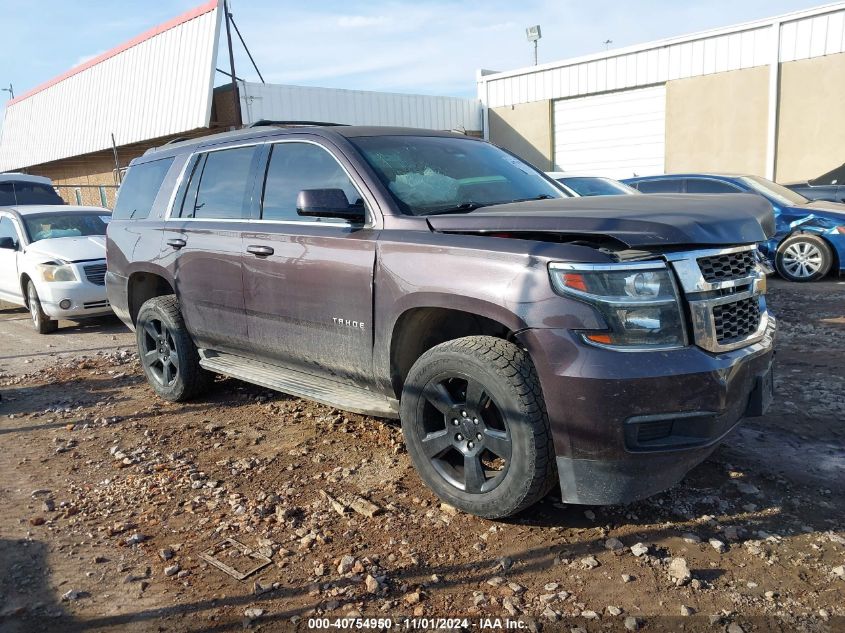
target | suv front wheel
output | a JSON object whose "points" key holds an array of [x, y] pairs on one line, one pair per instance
{"points": [[167, 353], [476, 426]]}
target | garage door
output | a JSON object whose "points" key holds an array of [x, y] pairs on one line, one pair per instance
{"points": [[620, 134]]}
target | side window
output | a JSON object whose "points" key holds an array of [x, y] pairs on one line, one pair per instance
{"points": [[294, 167], [701, 185], [220, 184], [139, 189], [24, 192], [7, 229], [7, 194], [659, 186]]}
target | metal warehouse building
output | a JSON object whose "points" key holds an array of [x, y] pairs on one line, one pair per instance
{"points": [[764, 97], [82, 128]]}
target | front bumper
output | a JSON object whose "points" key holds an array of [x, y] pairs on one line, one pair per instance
{"points": [[86, 299], [626, 425]]}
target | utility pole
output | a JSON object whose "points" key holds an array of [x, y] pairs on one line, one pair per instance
{"points": [[236, 99], [534, 34], [116, 161], [10, 90]]}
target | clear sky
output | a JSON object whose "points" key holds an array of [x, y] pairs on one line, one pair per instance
{"points": [[425, 46]]}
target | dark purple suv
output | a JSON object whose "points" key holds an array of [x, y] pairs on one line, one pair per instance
{"points": [[523, 337]]}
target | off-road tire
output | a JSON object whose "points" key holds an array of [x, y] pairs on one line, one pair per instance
{"points": [[794, 246], [511, 385], [42, 323], [188, 380]]}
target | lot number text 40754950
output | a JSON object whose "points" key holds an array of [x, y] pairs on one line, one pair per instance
{"points": [[381, 624]]}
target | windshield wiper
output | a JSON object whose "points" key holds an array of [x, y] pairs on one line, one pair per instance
{"points": [[542, 196], [464, 207]]}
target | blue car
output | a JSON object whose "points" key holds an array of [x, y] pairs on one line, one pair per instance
{"points": [[810, 234], [586, 185]]}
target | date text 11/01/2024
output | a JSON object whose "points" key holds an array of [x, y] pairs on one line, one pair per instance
{"points": [[416, 623]]}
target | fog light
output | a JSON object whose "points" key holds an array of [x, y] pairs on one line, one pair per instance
{"points": [[65, 304]]}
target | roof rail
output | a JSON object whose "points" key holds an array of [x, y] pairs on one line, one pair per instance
{"points": [[270, 122], [178, 139]]}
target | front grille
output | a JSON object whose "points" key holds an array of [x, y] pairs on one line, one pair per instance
{"points": [[96, 273], [723, 290], [95, 304], [735, 321], [728, 266]]}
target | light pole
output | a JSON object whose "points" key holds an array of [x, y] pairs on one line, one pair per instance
{"points": [[607, 44], [10, 90], [533, 34]]}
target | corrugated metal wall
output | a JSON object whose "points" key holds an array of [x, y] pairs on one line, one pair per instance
{"points": [[358, 107], [813, 36], [820, 32], [159, 86]]}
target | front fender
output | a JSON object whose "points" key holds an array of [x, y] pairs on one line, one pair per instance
{"points": [[825, 228], [512, 289]]}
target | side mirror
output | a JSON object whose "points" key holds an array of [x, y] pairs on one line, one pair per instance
{"points": [[8, 243], [327, 203]]}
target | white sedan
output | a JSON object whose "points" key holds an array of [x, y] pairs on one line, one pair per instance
{"points": [[53, 261]]}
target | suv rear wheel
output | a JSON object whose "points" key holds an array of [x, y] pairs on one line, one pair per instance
{"points": [[168, 355], [803, 257], [476, 427], [42, 323]]}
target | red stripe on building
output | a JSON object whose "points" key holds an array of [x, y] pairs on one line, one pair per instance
{"points": [[157, 30]]}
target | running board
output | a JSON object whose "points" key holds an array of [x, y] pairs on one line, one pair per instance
{"points": [[300, 384]]}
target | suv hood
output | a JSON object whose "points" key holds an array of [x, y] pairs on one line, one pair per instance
{"points": [[636, 221], [69, 249]]}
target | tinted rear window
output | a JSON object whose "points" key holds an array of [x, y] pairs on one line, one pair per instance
{"points": [[21, 193], [710, 186], [139, 189], [594, 186], [659, 186]]}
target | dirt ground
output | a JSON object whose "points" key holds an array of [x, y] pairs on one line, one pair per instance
{"points": [[109, 496]]}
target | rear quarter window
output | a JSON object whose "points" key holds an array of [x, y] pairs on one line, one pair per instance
{"points": [[696, 185], [139, 189], [659, 186], [21, 193]]}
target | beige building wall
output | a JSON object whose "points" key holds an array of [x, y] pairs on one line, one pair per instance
{"points": [[718, 122], [83, 176], [526, 130], [91, 178], [811, 118]]}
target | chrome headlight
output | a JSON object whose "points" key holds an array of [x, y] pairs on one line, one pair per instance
{"points": [[56, 272], [638, 302]]}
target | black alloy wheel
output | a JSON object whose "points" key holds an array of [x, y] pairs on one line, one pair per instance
{"points": [[158, 352], [464, 434], [168, 355]]}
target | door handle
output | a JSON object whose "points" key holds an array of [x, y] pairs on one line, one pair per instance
{"points": [[260, 251], [176, 243]]}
